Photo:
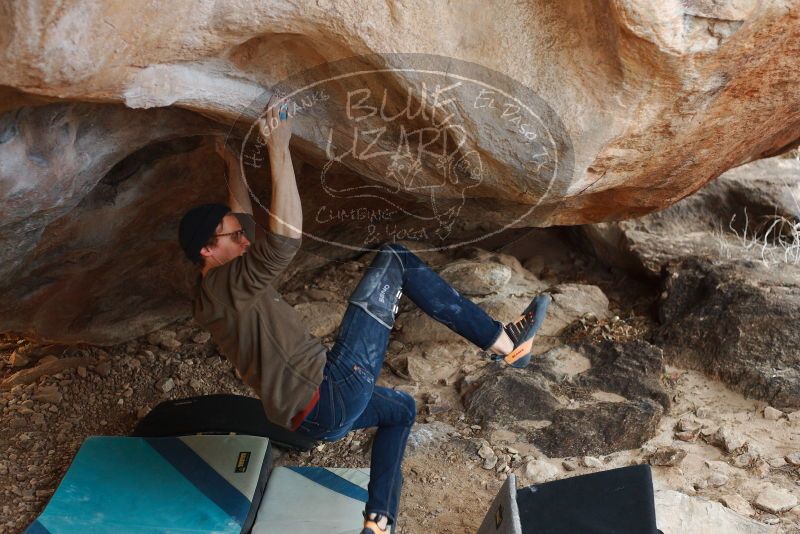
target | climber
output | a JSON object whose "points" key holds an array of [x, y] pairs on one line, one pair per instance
{"points": [[321, 393]]}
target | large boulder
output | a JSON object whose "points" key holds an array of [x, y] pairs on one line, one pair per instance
{"points": [[648, 102], [631, 369], [90, 235], [730, 290], [600, 428], [726, 220], [321, 318], [736, 323], [575, 400]]}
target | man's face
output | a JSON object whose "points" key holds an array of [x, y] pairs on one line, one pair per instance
{"points": [[227, 247]]}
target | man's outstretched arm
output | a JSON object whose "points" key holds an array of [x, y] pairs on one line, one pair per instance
{"points": [[238, 194], [286, 212]]}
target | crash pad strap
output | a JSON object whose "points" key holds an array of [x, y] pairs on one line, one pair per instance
{"points": [[333, 482], [202, 475]]}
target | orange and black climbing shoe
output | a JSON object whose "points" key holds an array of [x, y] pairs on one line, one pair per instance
{"points": [[523, 329], [371, 525]]}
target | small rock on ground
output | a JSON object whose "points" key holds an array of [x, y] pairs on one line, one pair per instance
{"points": [[667, 456], [793, 458], [729, 439], [592, 462], [537, 471], [738, 504], [775, 500], [165, 385]]}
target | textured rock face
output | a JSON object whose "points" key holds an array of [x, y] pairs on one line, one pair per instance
{"points": [[559, 402], [602, 428], [633, 369], [82, 257], [729, 303], [737, 324], [658, 97], [727, 220], [644, 102]]}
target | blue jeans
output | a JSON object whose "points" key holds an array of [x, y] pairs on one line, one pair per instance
{"points": [[349, 398]]}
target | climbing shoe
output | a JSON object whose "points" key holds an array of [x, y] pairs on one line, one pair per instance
{"points": [[523, 329], [371, 525]]}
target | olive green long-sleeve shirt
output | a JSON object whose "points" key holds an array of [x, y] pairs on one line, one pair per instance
{"points": [[259, 332]]}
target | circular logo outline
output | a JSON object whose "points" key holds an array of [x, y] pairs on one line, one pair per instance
{"points": [[563, 152]]}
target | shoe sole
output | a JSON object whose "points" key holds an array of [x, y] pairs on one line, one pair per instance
{"points": [[521, 355]]}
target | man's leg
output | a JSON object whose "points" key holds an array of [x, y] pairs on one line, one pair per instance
{"points": [[354, 364], [362, 340], [393, 412], [395, 270]]}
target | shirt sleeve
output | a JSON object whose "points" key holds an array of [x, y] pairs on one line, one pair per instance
{"points": [[264, 260], [248, 225]]}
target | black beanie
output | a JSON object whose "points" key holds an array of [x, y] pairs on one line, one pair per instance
{"points": [[197, 227]]}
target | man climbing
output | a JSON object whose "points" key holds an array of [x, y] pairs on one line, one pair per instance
{"points": [[303, 386]]}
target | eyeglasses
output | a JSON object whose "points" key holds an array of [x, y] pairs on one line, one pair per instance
{"points": [[236, 236]]}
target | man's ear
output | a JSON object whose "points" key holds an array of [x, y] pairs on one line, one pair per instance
{"points": [[206, 252]]}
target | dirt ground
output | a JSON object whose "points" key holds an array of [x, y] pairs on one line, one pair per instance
{"points": [[447, 489]]}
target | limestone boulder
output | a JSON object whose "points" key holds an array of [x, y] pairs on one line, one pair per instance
{"points": [[726, 259], [598, 429], [575, 400], [625, 108]]}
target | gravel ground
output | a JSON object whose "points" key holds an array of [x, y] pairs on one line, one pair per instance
{"points": [[448, 486]]}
